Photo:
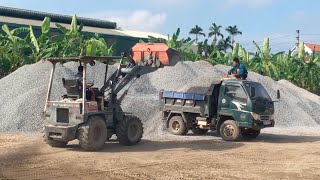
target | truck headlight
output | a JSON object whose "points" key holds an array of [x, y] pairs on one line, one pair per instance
{"points": [[255, 116]]}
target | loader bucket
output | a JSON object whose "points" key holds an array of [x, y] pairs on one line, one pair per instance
{"points": [[154, 54]]}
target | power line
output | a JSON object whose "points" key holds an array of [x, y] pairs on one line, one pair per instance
{"points": [[282, 43], [280, 37], [310, 34]]}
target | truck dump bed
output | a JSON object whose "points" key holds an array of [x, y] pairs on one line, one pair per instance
{"points": [[203, 104]]}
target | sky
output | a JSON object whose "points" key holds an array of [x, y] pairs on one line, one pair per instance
{"points": [[257, 19]]}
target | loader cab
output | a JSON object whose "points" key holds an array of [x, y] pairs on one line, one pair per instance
{"points": [[73, 88]]}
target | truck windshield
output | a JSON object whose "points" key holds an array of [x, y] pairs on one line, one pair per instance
{"points": [[261, 93]]}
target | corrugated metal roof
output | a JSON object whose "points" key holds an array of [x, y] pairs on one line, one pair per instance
{"points": [[20, 21], [126, 33], [36, 15], [141, 34], [34, 18]]}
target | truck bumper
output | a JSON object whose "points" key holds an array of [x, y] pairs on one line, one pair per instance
{"points": [[263, 124], [61, 133]]}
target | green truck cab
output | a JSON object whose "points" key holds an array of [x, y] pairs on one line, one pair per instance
{"points": [[235, 108]]}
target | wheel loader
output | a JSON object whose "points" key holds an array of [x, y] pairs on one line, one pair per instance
{"points": [[93, 122]]}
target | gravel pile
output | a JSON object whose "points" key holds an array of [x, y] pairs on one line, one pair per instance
{"points": [[23, 94]]}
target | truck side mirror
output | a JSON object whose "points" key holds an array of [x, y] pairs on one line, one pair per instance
{"points": [[92, 63], [252, 92], [278, 94]]}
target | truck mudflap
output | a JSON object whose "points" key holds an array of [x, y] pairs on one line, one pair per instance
{"points": [[61, 133]]}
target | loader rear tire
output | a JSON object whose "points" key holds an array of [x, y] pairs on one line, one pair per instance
{"points": [[177, 126], [93, 134], [129, 131], [55, 143]]}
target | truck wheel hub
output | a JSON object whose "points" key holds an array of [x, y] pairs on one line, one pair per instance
{"points": [[175, 126], [229, 130]]}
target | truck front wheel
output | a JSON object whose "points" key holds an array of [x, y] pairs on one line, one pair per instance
{"points": [[177, 126], [250, 133], [229, 130]]}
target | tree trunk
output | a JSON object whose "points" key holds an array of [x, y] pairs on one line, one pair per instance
{"points": [[232, 41]]}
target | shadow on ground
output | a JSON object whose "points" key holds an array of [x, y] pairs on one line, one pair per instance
{"points": [[280, 138], [154, 145], [208, 143]]}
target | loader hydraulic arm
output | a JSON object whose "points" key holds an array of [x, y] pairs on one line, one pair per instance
{"points": [[123, 75]]}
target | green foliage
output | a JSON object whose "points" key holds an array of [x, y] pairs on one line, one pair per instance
{"points": [[21, 46], [302, 52]]}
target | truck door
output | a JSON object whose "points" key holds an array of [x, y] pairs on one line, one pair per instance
{"points": [[233, 101]]}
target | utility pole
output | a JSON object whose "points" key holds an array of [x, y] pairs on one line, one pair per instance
{"points": [[298, 38]]}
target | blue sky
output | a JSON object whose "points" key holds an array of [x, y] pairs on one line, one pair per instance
{"points": [[277, 19]]}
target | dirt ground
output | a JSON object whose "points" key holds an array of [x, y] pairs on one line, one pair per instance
{"points": [[295, 155]]}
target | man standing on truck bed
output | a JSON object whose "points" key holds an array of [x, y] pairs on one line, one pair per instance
{"points": [[238, 70]]}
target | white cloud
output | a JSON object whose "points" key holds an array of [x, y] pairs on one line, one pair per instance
{"points": [[247, 3], [143, 20]]}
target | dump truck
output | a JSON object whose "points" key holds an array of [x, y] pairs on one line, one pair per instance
{"points": [[235, 108], [93, 121]]}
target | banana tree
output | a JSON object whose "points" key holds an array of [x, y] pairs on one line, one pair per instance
{"points": [[264, 62], [16, 49]]}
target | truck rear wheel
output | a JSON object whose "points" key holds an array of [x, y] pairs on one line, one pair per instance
{"points": [[229, 130], [177, 126], [54, 143], [198, 131], [129, 131], [250, 133], [93, 134]]}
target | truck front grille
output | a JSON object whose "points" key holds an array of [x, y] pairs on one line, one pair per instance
{"points": [[62, 115], [264, 118]]}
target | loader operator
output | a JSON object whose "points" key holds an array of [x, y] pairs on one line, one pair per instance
{"points": [[238, 70], [90, 95]]}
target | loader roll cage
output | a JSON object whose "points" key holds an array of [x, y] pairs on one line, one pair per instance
{"points": [[114, 83]]}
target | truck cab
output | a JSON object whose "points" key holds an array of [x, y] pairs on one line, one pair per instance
{"points": [[235, 108]]}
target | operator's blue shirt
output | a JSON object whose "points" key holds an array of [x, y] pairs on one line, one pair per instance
{"points": [[243, 71]]}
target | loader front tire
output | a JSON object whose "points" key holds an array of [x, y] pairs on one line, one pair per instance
{"points": [[93, 134], [129, 131]]}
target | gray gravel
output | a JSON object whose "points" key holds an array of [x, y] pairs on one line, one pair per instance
{"points": [[23, 94]]}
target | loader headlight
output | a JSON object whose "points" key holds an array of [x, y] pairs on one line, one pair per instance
{"points": [[255, 116]]}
